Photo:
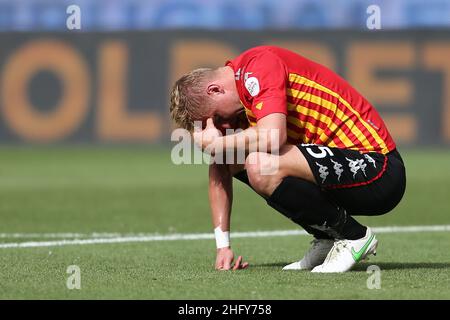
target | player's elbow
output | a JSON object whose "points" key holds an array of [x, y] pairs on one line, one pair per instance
{"points": [[282, 139], [273, 130]]}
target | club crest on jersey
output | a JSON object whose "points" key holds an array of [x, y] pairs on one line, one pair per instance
{"points": [[252, 85]]}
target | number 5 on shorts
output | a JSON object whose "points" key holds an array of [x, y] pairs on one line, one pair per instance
{"points": [[322, 154]]}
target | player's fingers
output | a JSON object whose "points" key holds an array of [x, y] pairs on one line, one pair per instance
{"points": [[210, 123], [238, 263], [243, 265]]}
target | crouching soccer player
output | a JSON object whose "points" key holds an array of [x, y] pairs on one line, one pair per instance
{"points": [[334, 156]]}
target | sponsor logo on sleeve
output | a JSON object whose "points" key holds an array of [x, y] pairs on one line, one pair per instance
{"points": [[252, 85]]}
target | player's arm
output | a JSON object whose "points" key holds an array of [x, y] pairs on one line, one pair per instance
{"points": [[221, 198], [269, 135]]}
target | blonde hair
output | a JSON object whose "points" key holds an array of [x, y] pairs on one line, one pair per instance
{"points": [[188, 98]]}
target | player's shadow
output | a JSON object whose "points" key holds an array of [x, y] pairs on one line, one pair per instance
{"points": [[382, 265], [402, 265], [270, 265]]}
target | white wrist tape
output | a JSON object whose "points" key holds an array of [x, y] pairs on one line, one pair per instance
{"points": [[222, 238]]}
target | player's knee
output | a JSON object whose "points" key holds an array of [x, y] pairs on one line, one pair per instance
{"points": [[253, 167], [262, 173]]}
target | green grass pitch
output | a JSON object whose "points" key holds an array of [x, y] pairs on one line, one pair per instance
{"points": [[130, 190]]}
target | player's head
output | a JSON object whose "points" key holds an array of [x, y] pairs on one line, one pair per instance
{"points": [[205, 93]]}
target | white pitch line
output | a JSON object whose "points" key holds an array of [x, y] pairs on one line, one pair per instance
{"points": [[199, 236], [61, 235]]}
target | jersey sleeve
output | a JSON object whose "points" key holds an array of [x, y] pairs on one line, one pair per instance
{"points": [[265, 81]]}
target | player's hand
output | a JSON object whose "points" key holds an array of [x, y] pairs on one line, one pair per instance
{"points": [[225, 258], [205, 138]]}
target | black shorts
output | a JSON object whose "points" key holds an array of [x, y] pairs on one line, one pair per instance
{"points": [[362, 183]]}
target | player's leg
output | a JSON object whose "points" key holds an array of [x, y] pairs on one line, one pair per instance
{"points": [[322, 242], [301, 200], [242, 176], [263, 174], [288, 184], [354, 174], [378, 186]]}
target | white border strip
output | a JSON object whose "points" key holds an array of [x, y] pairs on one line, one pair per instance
{"points": [[96, 238]]}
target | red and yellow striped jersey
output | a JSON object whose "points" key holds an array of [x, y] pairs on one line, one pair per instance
{"points": [[320, 106]]}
